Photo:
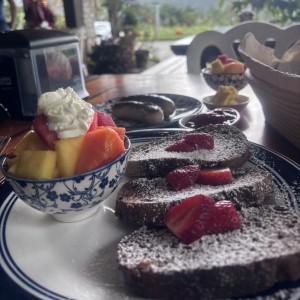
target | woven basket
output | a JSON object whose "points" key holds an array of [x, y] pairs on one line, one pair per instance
{"points": [[281, 108]]}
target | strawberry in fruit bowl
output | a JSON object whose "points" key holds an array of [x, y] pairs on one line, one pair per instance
{"points": [[67, 171]]}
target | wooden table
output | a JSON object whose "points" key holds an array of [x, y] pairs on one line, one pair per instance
{"points": [[104, 87]]}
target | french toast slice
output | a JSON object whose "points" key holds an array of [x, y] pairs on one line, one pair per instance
{"points": [[244, 262], [143, 201], [152, 160]]}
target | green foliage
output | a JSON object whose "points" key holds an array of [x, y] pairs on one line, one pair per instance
{"points": [[129, 19], [283, 11], [171, 15], [216, 17], [19, 19], [175, 22]]}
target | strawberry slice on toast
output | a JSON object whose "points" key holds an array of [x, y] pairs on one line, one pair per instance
{"points": [[227, 216], [183, 177], [214, 176], [192, 142], [191, 219], [199, 215], [201, 140], [181, 146]]}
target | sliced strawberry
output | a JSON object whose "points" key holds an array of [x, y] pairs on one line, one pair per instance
{"points": [[181, 146], [94, 124], [214, 176], [192, 142], [105, 119], [223, 58], [199, 215], [191, 219], [183, 177], [227, 216], [201, 140], [40, 126]]}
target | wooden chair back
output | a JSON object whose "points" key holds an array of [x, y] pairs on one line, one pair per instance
{"points": [[207, 45]]}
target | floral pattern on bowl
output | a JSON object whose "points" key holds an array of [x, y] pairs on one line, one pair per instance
{"points": [[238, 80]]}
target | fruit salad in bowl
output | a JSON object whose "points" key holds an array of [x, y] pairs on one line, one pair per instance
{"points": [[72, 159], [225, 71]]}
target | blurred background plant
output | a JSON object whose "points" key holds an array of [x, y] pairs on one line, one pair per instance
{"points": [[277, 11], [117, 54]]}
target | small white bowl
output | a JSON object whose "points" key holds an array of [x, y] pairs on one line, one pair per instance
{"points": [[70, 199], [243, 102], [233, 116]]}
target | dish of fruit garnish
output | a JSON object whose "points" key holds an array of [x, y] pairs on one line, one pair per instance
{"points": [[222, 115], [53, 260], [227, 65], [225, 70], [226, 96]]}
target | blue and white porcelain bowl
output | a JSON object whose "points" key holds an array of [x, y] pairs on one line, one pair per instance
{"points": [[238, 80], [71, 199]]}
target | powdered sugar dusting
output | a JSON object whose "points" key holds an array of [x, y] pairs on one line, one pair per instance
{"points": [[230, 146], [268, 241], [143, 201], [254, 241]]}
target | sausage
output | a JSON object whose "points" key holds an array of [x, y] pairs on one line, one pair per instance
{"points": [[166, 104], [138, 111]]}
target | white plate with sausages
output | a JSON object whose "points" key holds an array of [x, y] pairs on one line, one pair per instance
{"points": [[132, 116]]}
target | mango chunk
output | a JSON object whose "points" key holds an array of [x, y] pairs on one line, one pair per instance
{"points": [[226, 95], [217, 67], [38, 165], [68, 151], [31, 141]]}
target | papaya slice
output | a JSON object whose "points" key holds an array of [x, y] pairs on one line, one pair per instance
{"points": [[100, 147]]}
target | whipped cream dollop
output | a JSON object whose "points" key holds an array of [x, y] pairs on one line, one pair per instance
{"points": [[67, 114]]}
